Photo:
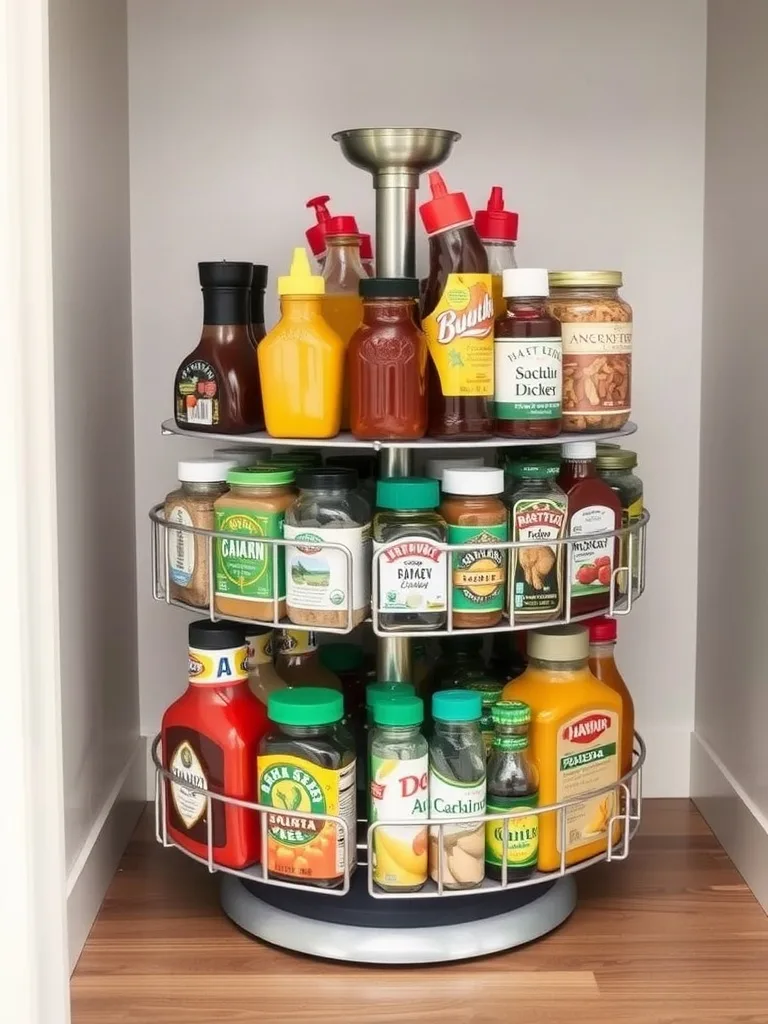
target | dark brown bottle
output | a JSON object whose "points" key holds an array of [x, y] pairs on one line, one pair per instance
{"points": [[457, 318], [217, 389], [258, 287]]}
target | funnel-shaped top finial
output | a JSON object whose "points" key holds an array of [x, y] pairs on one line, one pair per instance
{"points": [[301, 280]]}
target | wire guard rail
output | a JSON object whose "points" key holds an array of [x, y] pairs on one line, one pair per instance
{"points": [[620, 830], [626, 585]]}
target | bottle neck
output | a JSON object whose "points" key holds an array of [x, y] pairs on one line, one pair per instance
{"points": [[223, 306], [604, 649], [398, 732], [343, 267], [376, 311], [301, 307], [454, 728], [526, 307], [195, 487], [300, 731], [559, 671], [580, 469], [257, 305]]}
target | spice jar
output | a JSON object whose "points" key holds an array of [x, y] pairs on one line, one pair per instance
{"points": [[306, 763], [457, 789], [328, 508], [476, 515], [202, 482], [298, 662], [245, 567], [615, 467], [412, 574], [596, 325]]}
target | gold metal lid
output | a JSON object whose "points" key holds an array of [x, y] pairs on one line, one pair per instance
{"points": [[620, 458], [559, 643], [585, 279]]}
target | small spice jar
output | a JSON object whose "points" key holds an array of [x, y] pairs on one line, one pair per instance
{"points": [[615, 467], [329, 508], [202, 482], [596, 326], [476, 515], [412, 573], [245, 567]]}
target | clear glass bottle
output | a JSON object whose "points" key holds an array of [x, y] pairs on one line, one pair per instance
{"points": [[497, 229]]}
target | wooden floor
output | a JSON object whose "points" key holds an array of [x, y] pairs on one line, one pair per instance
{"points": [[672, 935]]}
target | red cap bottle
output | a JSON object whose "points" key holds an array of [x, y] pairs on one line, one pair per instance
{"points": [[316, 234], [335, 226], [445, 209], [494, 223], [602, 630]]}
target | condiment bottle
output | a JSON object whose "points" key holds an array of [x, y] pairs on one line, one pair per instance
{"points": [[373, 693], [457, 786], [262, 675], [476, 515], [602, 665], [366, 254], [386, 363], [210, 739], [457, 318], [490, 694], [593, 508], [297, 660], [399, 785], [258, 287], [513, 785], [216, 389], [615, 467], [412, 574], [528, 357], [497, 229], [342, 273], [306, 764], [575, 735], [301, 360], [316, 234]]}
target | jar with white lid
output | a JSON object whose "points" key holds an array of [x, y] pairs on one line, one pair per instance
{"points": [[191, 505], [436, 467]]}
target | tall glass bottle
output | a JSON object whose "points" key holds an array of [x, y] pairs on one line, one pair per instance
{"points": [[497, 229]]}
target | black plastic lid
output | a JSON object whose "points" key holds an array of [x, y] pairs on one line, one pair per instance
{"points": [[224, 274], [327, 478], [389, 288], [260, 274], [364, 465], [216, 636]]}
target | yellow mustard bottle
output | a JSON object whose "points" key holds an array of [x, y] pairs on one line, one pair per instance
{"points": [[575, 742], [301, 360]]}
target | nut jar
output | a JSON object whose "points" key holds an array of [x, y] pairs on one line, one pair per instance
{"points": [[597, 348]]}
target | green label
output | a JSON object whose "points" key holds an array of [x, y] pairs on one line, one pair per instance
{"points": [[244, 567], [478, 576], [522, 833], [537, 573], [587, 757]]}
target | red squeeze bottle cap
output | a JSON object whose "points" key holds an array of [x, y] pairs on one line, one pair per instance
{"points": [[494, 222], [316, 234], [445, 209], [341, 226], [602, 630], [366, 247]]}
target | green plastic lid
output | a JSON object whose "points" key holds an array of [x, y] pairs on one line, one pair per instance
{"points": [[260, 476], [306, 705], [511, 712], [530, 469], [341, 657], [490, 691], [457, 706], [406, 493], [398, 709], [374, 691]]}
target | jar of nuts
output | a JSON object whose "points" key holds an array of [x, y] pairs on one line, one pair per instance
{"points": [[597, 348]]}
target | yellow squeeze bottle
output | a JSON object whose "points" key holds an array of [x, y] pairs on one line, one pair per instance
{"points": [[301, 360]]}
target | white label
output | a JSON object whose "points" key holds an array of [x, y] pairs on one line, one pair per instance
{"points": [[348, 812], [606, 338], [181, 547], [454, 800], [185, 764], [201, 412], [591, 561], [528, 383], [400, 790], [413, 576], [317, 577]]}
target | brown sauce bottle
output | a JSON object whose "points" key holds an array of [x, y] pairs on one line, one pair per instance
{"points": [[217, 389], [457, 320], [258, 287]]}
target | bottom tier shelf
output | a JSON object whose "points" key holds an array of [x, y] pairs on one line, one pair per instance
{"points": [[360, 929]]}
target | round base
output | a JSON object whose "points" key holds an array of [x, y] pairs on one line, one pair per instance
{"points": [[521, 916]]}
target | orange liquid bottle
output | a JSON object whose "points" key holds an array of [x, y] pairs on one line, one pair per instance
{"points": [[602, 643], [342, 273]]}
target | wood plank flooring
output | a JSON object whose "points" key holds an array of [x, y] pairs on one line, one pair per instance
{"points": [[672, 936]]}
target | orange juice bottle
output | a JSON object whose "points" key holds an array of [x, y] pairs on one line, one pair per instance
{"points": [[575, 736], [342, 272], [301, 360], [602, 641]]}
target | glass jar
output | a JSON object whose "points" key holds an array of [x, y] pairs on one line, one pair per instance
{"points": [[596, 326], [373, 693], [366, 472], [413, 581], [615, 468], [329, 508]]}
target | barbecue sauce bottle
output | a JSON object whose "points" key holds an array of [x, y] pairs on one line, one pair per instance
{"points": [[457, 318], [258, 287]]}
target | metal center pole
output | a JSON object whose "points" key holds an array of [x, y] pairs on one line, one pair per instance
{"points": [[394, 653]]}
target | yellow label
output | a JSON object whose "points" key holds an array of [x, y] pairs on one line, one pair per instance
{"points": [[260, 648], [218, 668], [296, 641], [301, 847], [459, 333], [587, 759], [630, 515]]}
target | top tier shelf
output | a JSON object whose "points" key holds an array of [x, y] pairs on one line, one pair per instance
{"points": [[346, 440]]}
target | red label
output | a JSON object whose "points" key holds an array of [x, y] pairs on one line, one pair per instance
{"points": [[412, 549], [586, 729]]}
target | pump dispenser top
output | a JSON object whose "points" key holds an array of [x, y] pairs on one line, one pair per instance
{"points": [[300, 280], [445, 209]]}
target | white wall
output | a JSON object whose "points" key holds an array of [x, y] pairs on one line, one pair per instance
{"points": [[591, 115], [730, 752], [94, 441]]}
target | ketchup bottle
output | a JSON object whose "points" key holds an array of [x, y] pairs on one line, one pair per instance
{"points": [[316, 234], [457, 319]]}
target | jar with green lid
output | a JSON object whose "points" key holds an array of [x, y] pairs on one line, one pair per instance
{"points": [[412, 570], [538, 513], [513, 785], [490, 693], [596, 326], [249, 575], [373, 693], [306, 763], [615, 468]]}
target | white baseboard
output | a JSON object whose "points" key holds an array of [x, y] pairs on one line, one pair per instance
{"points": [[739, 825], [100, 855]]}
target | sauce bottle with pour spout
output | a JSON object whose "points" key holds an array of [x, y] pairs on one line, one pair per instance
{"points": [[316, 234], [457, 319], [497, 229], [342, 273]]}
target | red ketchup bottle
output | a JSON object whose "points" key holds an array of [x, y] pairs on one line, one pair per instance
{"points": [[210, 738]]}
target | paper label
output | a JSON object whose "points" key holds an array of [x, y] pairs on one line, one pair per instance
{"points": [[218, 668], [244, 564], [587, 760], [318, 577], [181, 546], [412, 576], [260, 649], [528, 381], [459, 334], [197, 394], [537, 571], [478, 576], [597, 368], [522, 832], [185, 764], [591, 559], [400, 790]]}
